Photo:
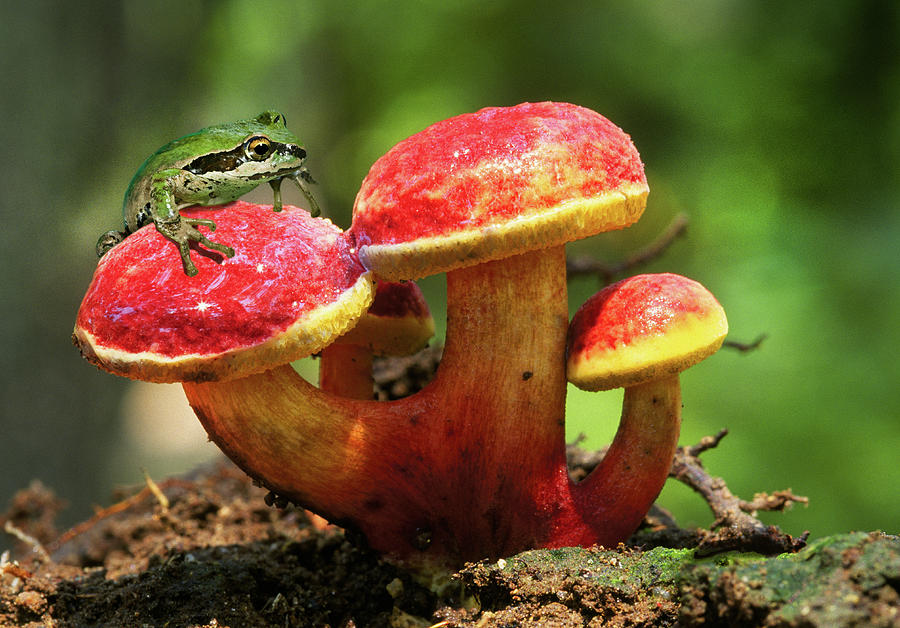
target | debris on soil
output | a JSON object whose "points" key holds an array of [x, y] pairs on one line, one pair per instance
{"points": [[216, 556], [398, 377], [736, 526], [206, 551]]}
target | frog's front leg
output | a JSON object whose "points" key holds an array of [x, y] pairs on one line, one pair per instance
{"points": [[301, 179], [174, 227]]}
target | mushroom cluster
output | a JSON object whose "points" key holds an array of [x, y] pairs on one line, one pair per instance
{"points": [[472, 466]]}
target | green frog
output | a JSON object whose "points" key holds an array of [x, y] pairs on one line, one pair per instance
{"points": [[215, 165]]}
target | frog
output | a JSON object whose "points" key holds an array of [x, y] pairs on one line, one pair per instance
{"points": [[213, 166]]}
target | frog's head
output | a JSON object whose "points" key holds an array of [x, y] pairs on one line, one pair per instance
{"points": [[257, 149]]}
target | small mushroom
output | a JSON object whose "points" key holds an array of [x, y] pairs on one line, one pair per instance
{"points": [[640, 333], [398, 323]]}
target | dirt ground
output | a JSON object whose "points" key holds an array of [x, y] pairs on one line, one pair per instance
{"points": [[206, 550]]}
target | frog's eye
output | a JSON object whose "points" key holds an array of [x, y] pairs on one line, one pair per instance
{"points": [[257, 148]]}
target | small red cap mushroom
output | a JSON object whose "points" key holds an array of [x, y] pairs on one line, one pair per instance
{"points": [[399, 321], [292, 288], [640, 333], [643, 328]]}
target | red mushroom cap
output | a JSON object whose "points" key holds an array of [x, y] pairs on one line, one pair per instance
{"points": [[291, 288], [495, 183], [643, 328]]}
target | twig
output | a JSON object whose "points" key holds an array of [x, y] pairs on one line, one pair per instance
{"points": [[157, 493], [745, 347], [125, 504], [36, 546], [608, 272], [735, 525]]}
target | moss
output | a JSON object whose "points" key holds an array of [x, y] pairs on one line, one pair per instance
{"points": [[849, 579], [836, 581]]}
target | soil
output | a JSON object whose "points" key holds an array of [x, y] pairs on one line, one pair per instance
{"points": [[206, 550], [216, 555]]}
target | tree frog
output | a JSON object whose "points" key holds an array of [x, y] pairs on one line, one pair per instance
{"points": [[215, 165]]}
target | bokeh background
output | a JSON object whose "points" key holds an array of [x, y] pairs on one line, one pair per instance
{"points": [[775, 126]]}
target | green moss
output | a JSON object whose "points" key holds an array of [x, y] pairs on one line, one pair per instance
{"points": [[826, 583], [848, 579], [606, 568]]}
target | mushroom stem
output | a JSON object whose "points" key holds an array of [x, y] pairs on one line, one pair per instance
{"points": [[345, 370], [637, 463], [502, 367]]}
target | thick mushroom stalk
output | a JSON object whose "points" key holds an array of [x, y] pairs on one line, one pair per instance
{"points": [[639, 334]]}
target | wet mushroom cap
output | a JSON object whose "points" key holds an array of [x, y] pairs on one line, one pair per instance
{"points": [[495, 183], [643, 328], [291, 288]]}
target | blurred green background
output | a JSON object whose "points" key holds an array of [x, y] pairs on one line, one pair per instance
{"points": [[774, 126]]}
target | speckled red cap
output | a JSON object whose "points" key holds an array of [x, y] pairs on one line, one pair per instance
{"points": [[643, 328], [292, 286], [495, 183]]}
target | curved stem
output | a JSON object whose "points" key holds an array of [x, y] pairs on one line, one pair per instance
{"points": [[625, 484]]}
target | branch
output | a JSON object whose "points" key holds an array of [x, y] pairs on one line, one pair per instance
{"points": [[608, 272], [745, 347], [29, 540], [735, 525]]}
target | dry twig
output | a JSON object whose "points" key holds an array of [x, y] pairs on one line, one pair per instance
{"points": [[151, 489], [607, 272], [746, 347], [36, 546], [735, 525]]}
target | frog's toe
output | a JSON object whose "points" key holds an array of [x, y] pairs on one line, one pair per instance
{"points": [[183, 232], [184, 250], [189, 269], [227, 251], [202, 222], [108, 240]]}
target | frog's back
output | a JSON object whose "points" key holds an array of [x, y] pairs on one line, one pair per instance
{"points": [[182, 151]]}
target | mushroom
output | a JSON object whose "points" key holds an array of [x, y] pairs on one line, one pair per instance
{"points": [[640, 333], [473, 465], [291, 290], [398, 323]]}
